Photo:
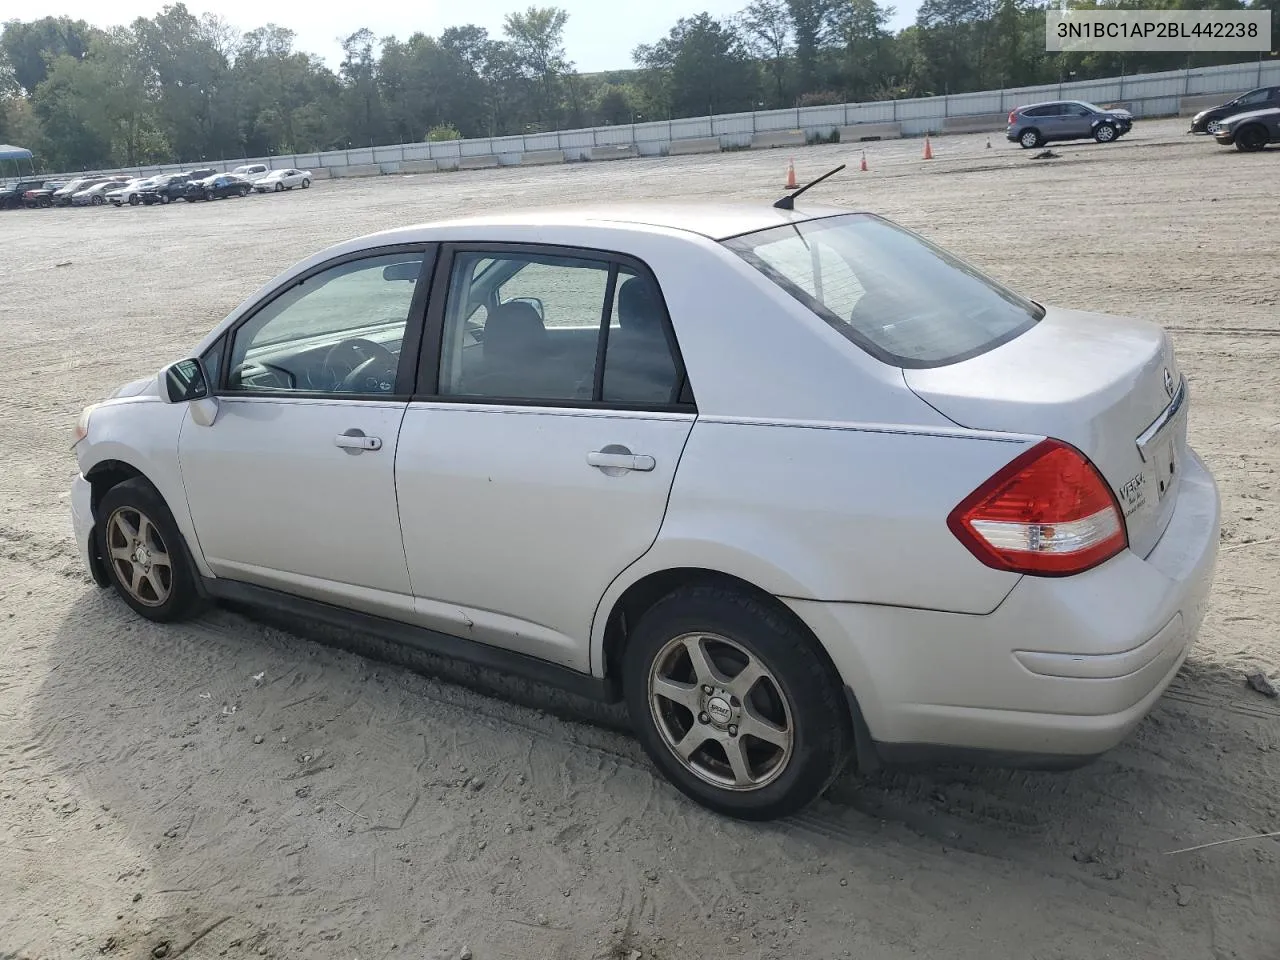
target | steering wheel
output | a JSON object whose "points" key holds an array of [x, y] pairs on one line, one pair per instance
{"points": [[361, 358]]}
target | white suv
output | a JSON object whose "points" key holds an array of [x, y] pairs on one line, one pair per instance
{"points": [[798, 486]]}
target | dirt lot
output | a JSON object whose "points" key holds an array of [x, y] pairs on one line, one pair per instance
{"points": [[227, 788]]}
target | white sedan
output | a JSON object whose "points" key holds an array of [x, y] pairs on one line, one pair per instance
{"points": [[278, 180], [797, 485], [130, 193], [96, 195]]}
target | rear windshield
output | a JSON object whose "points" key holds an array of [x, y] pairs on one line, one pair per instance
{"points": [[893, 293]]}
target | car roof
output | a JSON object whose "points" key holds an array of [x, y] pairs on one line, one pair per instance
{"points": [[717, 221]]}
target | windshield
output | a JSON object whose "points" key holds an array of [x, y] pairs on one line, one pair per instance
{"points": [[894, 294]]}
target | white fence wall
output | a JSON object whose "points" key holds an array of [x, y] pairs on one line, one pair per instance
{"points": [[1149, 95]]}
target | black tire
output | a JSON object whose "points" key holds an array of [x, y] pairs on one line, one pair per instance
{"points": [[98, 200], [1030, 138], [1105, 132], [279, 186], [305, 183], [165, 198], [133, 499], [1251, 138], [133, 200], [801, 687]]}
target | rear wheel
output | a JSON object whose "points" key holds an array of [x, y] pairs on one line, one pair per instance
{"points": [[1029, 139], [144, 552], [734, 703], [305, 183], [1251, 138], [1104, 133]]}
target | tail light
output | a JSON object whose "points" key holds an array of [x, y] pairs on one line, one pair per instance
{"points": [[1047, 513], [1012, 114]]}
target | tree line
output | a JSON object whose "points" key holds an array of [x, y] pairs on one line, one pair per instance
{"points": [[182, 88]]}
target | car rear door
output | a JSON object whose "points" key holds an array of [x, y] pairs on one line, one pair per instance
{"points": [[536, 458], [293, 484]]}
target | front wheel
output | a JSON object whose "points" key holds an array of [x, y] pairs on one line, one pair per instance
{"points": [[165, 198], [1104, 133], [98, 201], [133, 200], [279, 186], [1251, 138], [1030, 139], [144, 552], [735, 703]]}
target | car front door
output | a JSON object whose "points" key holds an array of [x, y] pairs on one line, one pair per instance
{"points": [[1076, 121], [293, 484], [536, 460]]}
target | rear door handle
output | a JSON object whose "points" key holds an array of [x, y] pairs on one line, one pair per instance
{"points": [[609, 460], [354, 441]]}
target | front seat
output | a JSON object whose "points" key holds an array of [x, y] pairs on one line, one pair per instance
{"points": [[515, 358]]}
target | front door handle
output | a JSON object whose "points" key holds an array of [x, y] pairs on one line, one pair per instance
{"points": [[618, 459], [354, 441]]}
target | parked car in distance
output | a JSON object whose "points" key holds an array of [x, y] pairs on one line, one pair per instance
{"points": [[62, 196], [252, 171], [95, 195], [42, 196], [278, 180], [130, 193], [987, 563], [1207, 121], [1250, 131], [1042, 123], [173, 186], [11, 195], [218, 187]]}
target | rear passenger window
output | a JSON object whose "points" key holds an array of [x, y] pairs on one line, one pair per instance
{"points": [[530, 326]]}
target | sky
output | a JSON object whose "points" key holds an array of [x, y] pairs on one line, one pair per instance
{"points": [[599, 35]]}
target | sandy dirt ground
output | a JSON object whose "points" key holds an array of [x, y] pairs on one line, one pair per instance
{"points": [[238, 787]]}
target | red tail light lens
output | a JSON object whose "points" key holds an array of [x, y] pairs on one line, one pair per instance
{"points": [[1047, 513], [1012, 114]]}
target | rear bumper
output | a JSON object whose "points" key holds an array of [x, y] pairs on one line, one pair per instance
{"points": [[1063, 670]]}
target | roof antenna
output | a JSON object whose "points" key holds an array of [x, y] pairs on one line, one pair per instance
{"points": [[789, 201]]}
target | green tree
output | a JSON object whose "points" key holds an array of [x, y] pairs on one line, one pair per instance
{"points": [[537, 41], [706, 67], [766, 25], [29, 48]]}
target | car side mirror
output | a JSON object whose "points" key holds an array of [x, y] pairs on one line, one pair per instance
{"points": [[185, 381], [531, 301]]}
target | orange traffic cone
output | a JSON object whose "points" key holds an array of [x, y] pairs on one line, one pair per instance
{"points": [[864, 161], [928, 150], [791, 176]]}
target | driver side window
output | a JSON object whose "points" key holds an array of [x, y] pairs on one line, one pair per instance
{"points": [[338, 332]]}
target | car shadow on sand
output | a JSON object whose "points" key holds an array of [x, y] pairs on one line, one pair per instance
{"points": [[235, 729]]}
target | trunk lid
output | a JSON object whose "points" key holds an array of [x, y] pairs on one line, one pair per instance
{"points": [[1107, 385]]}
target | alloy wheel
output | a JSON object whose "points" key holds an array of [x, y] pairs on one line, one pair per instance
{"points": [[720, 711], [140, 559]]}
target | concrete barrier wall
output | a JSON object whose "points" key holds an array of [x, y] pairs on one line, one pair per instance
{"points": [[618, 152], [680, 148], [982, 123], [485, 161], [870, 131], [538, 158], [1188, 106], [778, 138], [419, 166], [355, 170]]}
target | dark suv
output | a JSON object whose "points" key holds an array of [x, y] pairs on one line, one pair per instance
{"points": [[11, 195], [1066, 120], [174, 186]]}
